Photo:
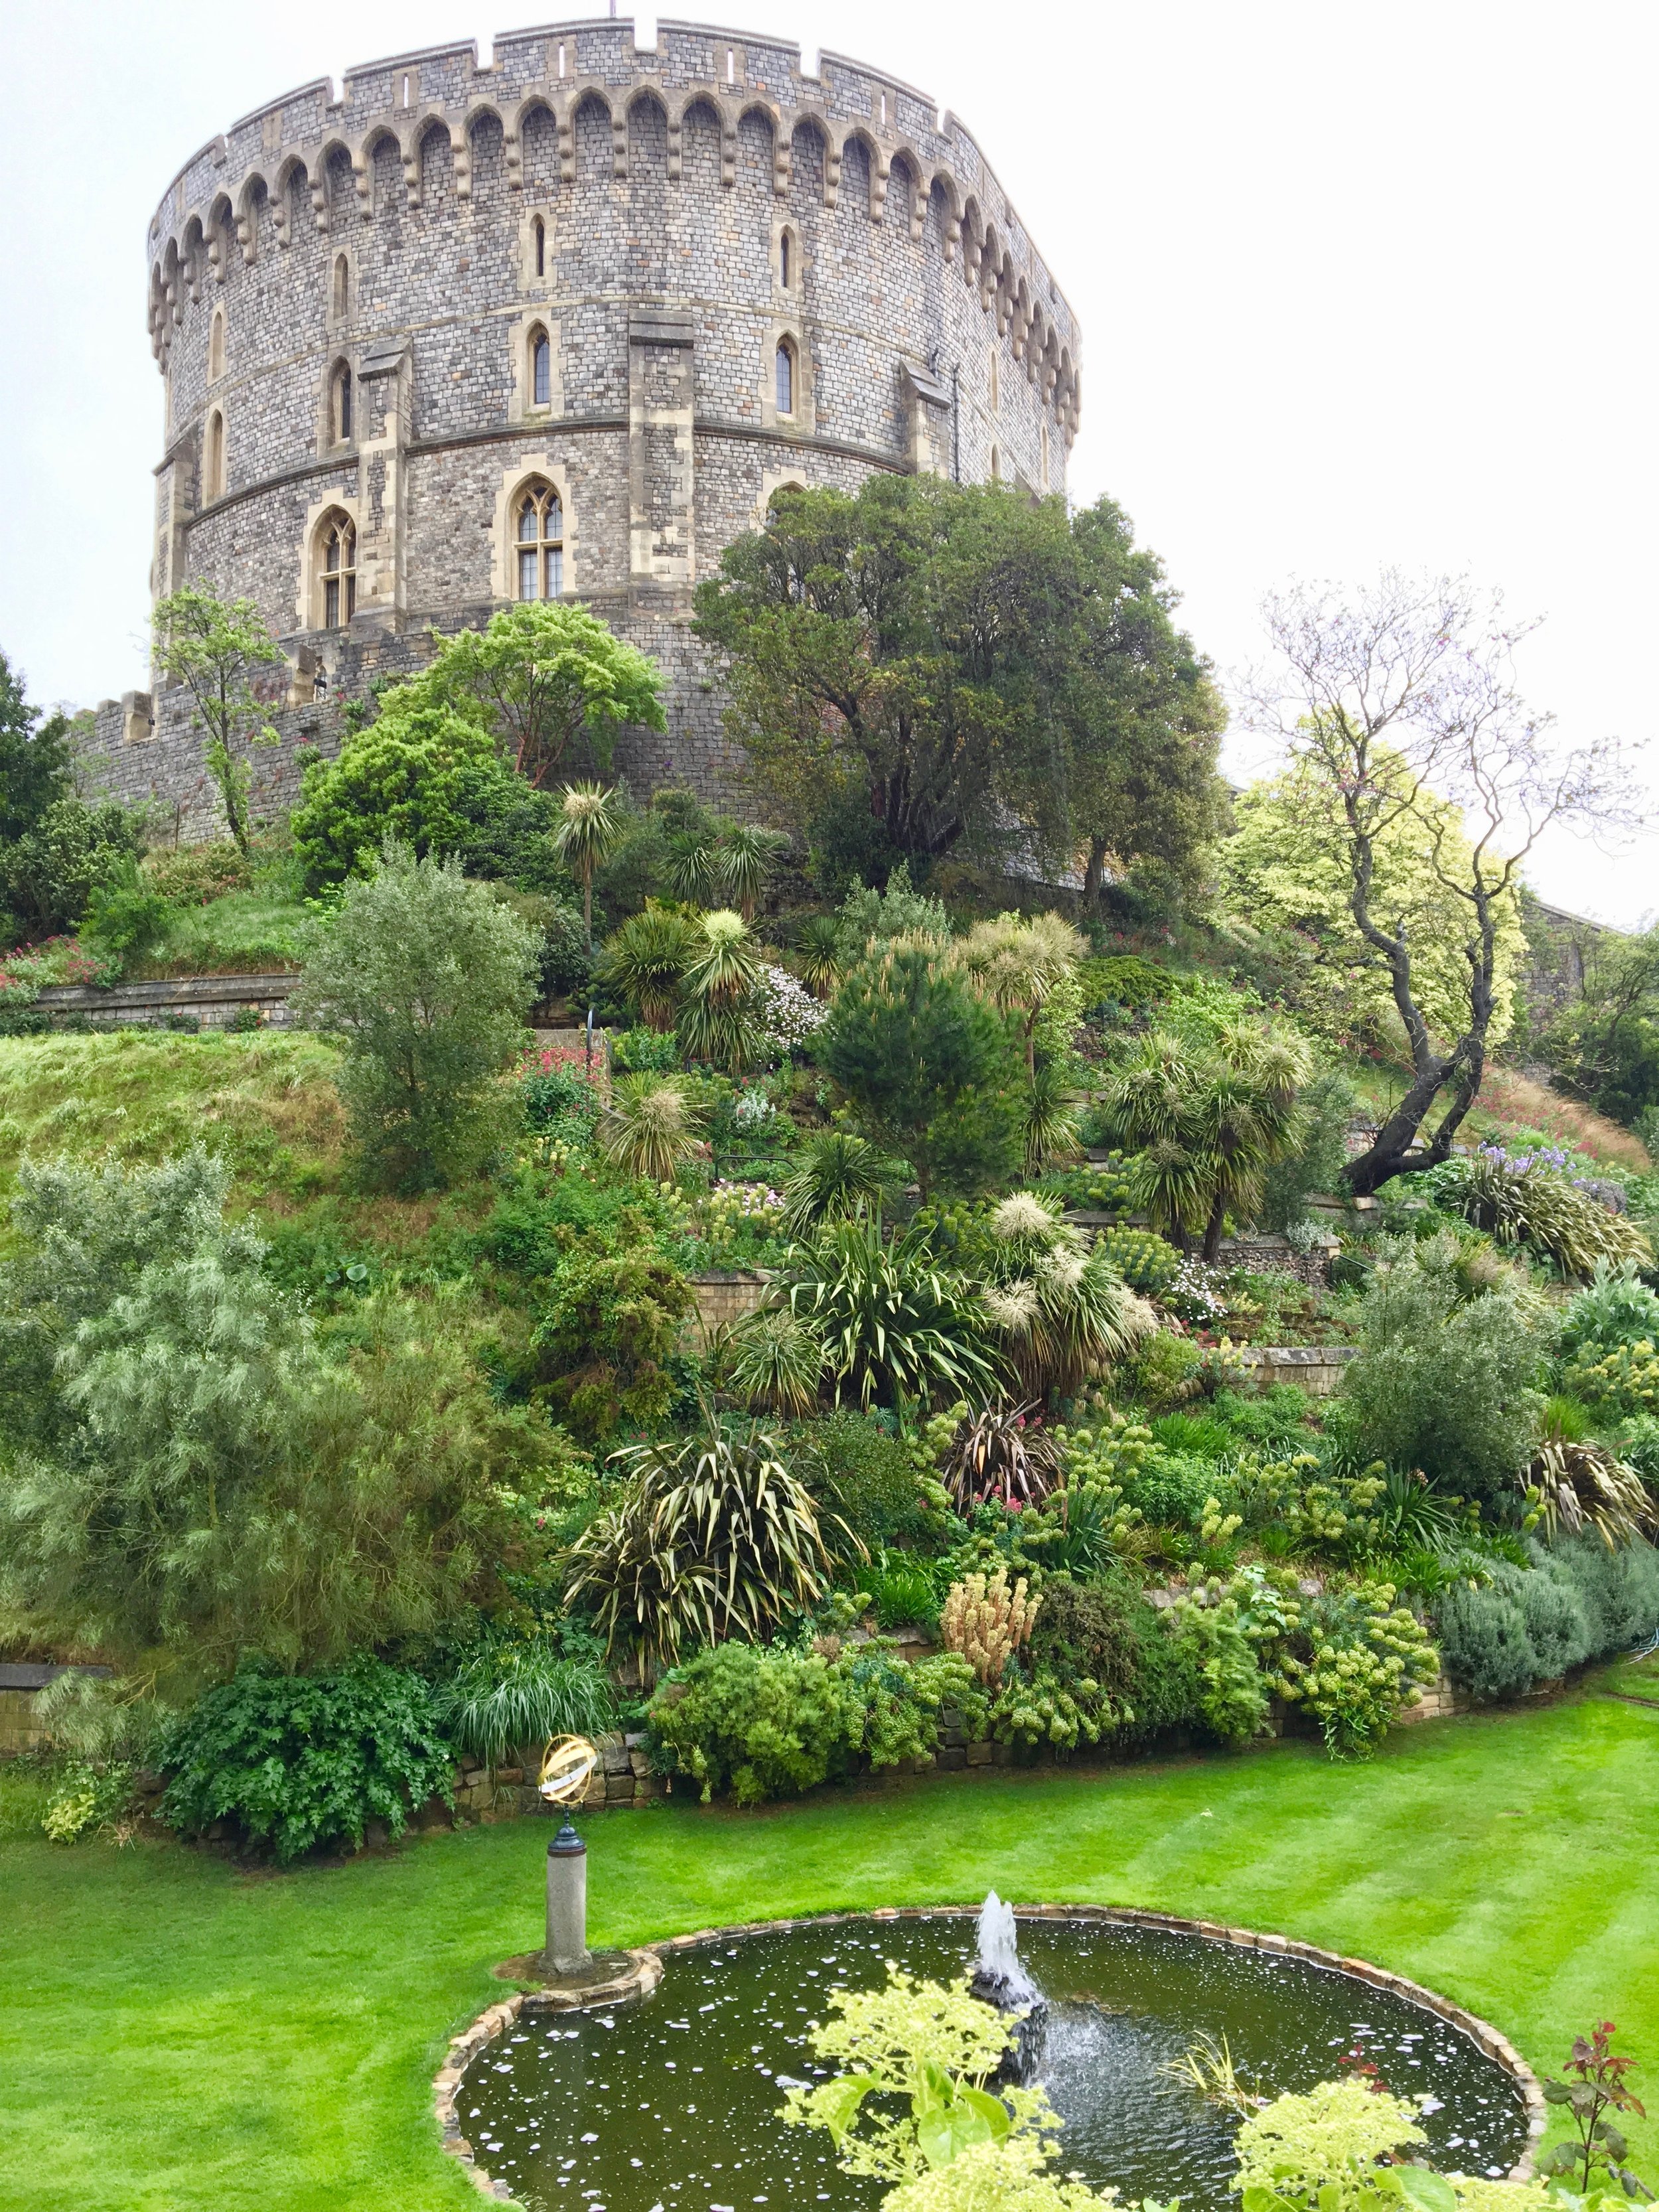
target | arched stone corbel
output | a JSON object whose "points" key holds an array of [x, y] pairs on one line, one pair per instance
{"points": [[460, 155], [566, 122], [619, 141], [513, 156], [783, 160], [831, 173], [880, 170], [676, 147], [320, 196], [953, 232], [728, 147], [363, 177], [247, 235], [411, 155]]}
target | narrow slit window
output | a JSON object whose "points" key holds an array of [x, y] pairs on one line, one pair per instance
{"points": [[541, 371], [538, 234], [339, 571], [783, 260], [216, 346], [341, 286], [343, 405], [540, 543], [785, 374], [214, 458], [730, 66]]}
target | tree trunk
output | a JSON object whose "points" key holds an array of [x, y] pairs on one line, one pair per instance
{"points": [[1213, 1229], [587, 912], [1094, 871]]}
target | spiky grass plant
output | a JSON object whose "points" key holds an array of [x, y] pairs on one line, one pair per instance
{"points": [[839, 1176], [645, 961], [775, 1363], [1051, 1118], [1062, 1312], [509, 1693], [999, 1452], [713, 1537], [896, 1329], [725, 966], [1526, 1198], [745, 856], [652, 1128], [818, 955], [1571, 1486]]}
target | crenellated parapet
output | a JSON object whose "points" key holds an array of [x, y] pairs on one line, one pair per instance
{"points": [[311, 161]]}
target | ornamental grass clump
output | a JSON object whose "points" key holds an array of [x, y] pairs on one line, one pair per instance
{"points": [[713, 1538], [1529, 1198], [985, 1622], [1062, 1312], [998, 1453], [653, 1127], [896, 1329]]}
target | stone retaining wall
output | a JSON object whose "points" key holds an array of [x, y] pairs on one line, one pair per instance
{"points": [[211, 1000], [724, 1300], [1315, 1368], [502, 2017]]}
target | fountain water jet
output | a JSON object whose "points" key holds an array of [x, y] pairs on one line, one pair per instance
{"points": [[1000, 1979]]}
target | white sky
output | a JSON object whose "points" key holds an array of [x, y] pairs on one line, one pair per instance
{"points": [[1358, 284]]}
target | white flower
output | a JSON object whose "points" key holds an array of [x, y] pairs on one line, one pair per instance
{"points": [[1012, 1306], [1023, 1216]]}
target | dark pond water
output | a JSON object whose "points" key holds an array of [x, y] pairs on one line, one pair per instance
{"points": [[669, 2105]]}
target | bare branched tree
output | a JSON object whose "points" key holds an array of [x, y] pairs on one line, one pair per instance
{"points": [[1399, 695]]}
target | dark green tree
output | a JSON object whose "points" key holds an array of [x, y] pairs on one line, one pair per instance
{"points": [[36, 759], [933, 1073], [212, 646], [945, 664]]}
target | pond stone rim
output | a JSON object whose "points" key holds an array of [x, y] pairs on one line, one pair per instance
{"points": [[648, 1960]]}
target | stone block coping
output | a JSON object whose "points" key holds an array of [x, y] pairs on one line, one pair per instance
{"points": [[502, 2016]]}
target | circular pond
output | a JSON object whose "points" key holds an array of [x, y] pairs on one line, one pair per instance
{"points": [[673, 2102]]}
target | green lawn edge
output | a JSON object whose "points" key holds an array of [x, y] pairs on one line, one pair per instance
{"points": [[180, 2032]]}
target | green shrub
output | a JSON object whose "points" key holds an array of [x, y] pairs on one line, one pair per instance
{"points": [[766, 1723], [506, 1693], [866, 1475], [1171, 1489], [1328, 1104], [296, 1761], [1444, 1378], [611, 1324], [428, 979], [1528, 1198], [191, 875], [896, 1329], [1146, 1260], [1484, 1642], [402, 777], [1097, 1632], [904, 1589], [1619, 1590], [646, 1052], [1355, 1658], [1615, 1307], [1622, 1381]]}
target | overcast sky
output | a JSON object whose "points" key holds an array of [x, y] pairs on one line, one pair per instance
{"points": [[1358, 284]]}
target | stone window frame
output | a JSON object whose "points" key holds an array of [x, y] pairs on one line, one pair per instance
{"points": [[217, 337], [337, 312], [332, 438], [309, 607], [786, 295], [503, 549], [776, 480], [799, 422], [531, 279], [521, 406], [216, 455], [995, 378]]}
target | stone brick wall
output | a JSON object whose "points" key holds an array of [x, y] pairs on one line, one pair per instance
{"points": [[392, 233]]}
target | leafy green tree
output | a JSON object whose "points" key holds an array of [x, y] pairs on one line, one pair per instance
{"points": [[932, 1072], [428, 979], [74, 849], [1286, 870], [1401, 700], [1603, 1044], [413, 774], [212, 646], [611, 1326], [548, 677], [941, 663], [36, 758], [189, 1479]]}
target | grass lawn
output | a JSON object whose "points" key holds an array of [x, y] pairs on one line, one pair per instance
{"points": [[182, 2036]]}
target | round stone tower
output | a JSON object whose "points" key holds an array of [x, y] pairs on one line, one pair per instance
{"points": [[563, 325]]}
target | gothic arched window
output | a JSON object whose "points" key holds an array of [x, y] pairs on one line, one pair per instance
{"points": [[538, 540], [541, 370], [341, 302], [340, 404], [338, 564], [786, 376], [213, 458]]}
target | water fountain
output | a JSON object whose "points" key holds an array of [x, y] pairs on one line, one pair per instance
{"points": [[673, 2101], [1000, 1979]]}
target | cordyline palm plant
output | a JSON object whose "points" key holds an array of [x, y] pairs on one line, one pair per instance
{"points": [[653, 1127], [1020, 965], [1062, 1312], [839, 1176], [646, 961], [1207, 1120], [1572, 1484], [894, 1326], [712, 1538], [818, 953], [723, 970], [588, 829], [745, 855], [1050, 1117]]}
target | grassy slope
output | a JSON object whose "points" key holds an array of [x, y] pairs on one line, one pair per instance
{"points": [[180, 2037], [266, 1102]]}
